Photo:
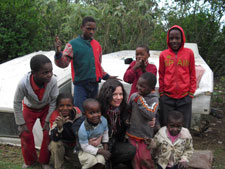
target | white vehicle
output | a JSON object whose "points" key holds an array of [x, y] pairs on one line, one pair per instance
{"points": [[113, 63]]}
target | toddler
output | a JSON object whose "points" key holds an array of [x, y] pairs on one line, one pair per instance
{"points": [[173, 143], [93, 137]]}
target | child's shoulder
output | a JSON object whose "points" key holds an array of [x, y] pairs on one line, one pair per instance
{"points": [[103, 119], [165, 51], [53, 116], [133, 96], [185, 133], [162, 130], [151, 66], [188, 50], [53, 79], [25, 78]]}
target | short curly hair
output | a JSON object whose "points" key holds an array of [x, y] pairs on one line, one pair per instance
{"points": [[38, 61]]}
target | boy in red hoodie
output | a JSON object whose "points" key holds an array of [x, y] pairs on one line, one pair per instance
{"points": [[177, 79]]}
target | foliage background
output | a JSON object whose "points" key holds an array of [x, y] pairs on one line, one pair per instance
{"points": [[27, 26]]}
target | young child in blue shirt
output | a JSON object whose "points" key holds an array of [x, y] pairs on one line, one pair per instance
{"points": [[93, 137]]}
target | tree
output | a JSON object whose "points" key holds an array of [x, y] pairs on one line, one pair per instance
{"points": [[18, 27]]}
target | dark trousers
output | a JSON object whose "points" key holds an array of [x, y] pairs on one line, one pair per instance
{"points": [[184, 105]]}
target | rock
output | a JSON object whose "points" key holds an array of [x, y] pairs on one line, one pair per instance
{"points": [[220, 142], [216, 112]]}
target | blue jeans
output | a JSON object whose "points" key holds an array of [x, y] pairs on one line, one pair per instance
{"points": [[84, 91]]}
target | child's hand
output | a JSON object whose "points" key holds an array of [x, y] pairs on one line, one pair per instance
{"points": [[46, 126], [147, 141], [139, 63], [183, 165], [127, 122], [22, 128], [105, 153], [60, 121], [152, 122], [58, 44], [115, 77]]}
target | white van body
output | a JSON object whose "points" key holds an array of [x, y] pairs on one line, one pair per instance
{"points": [[113, 63]]}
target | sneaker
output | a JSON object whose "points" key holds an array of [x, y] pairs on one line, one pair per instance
{"points": [[46, 166], [25, 166], [28, 166]]}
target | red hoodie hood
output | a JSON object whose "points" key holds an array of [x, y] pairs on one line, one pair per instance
{"points": [[183, 36]]}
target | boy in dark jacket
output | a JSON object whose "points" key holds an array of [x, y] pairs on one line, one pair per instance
{"points": [[62, 137], [177, 78]]}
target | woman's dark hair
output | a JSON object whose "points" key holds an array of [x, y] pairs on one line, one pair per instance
{"points": [[38, 61], [63, 96], [106, 95]]}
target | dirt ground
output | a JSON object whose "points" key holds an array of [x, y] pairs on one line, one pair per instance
{"points": [[212, 136]]}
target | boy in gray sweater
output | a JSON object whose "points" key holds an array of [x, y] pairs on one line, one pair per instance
{"points": [[35, 98], [144, 104]]}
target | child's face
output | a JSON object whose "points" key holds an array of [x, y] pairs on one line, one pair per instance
{"points": [[117, 97], [143, 87], [65, 106], [89, 30], [44, 75], [175, 39], [141, 54], [174, 126], [93, 113]]}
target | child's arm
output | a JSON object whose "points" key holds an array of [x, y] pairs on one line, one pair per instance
{"points": [[183, 163], [105, 139], [17, 103], [130, 74], [161, 74], [62, 59], [54, 93], [106, 154], [84, 141], [154, 145], [148, 109], [57, 128], [192, 75], [188, 151]]}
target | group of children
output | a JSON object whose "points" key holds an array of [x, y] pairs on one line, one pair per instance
{"points": [[37, 97]]}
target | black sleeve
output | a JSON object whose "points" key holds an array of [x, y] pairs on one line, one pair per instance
{"points": [[55, 135], [76, 125]]}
